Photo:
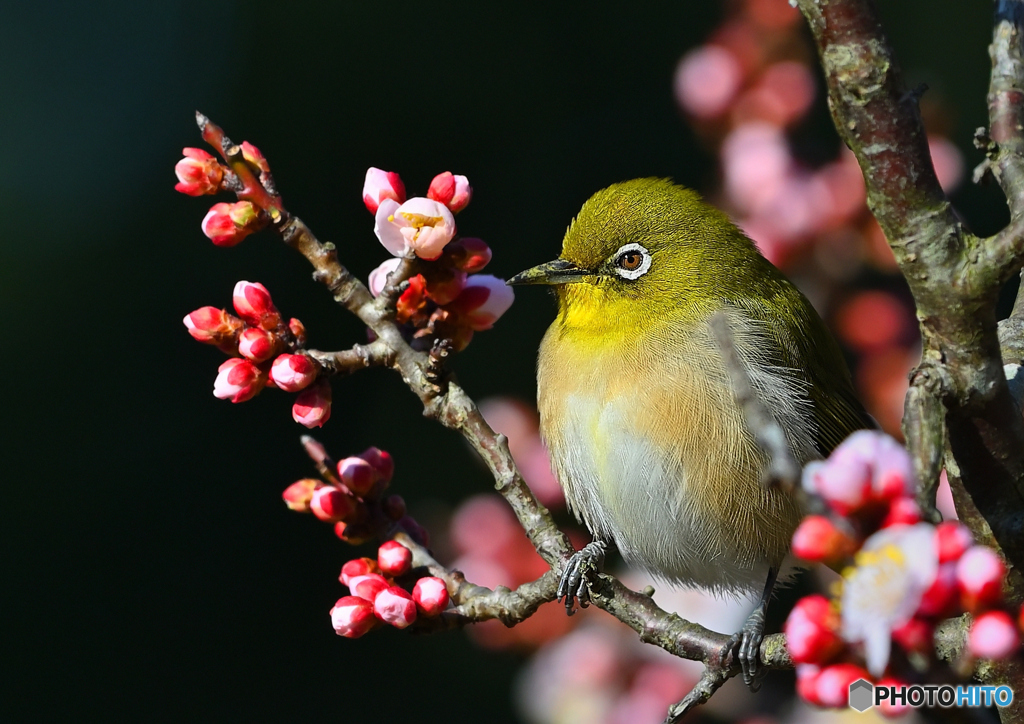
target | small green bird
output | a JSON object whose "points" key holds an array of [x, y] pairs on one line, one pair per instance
{"points": [[637, 406]]}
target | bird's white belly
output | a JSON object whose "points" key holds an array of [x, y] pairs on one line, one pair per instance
{"points": [[631, 491]]}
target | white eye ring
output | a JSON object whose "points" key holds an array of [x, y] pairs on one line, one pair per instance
{"points": [[645, 264]]}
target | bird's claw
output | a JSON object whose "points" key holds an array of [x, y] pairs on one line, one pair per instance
{"points": [[746, 646], [578, 575]]}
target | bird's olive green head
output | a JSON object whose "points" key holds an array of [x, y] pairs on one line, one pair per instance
{"points": [[646, 248]]}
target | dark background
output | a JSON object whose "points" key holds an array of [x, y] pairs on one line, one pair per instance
{"points": [[150, 568]]}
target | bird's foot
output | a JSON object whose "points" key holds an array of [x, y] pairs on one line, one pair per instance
{"points": [[579, 575], [746, 646]]}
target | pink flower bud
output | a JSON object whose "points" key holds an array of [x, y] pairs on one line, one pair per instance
{"points": [[227, 224], [367, 585], [941, 596], [253, 304], [452, 191], [298, 330], [352, 617], [293, 372], [257, 345], [979, 573], [380, 185], [394, 559], [199, 173], [916, 635], [395, 606], [238, 380], [483, 301], [330, 504], [393, 507], [844, 484], [470, 255], [381, 461], [811, 631], [953, 539], [902, 511], [431, 596], [889, 708], [356, 534], [807, 683], [833, 684], [253, 155], [357, 475], [379, 276], [817, 539], [422, 226], [893, 471], [993, 636], [358, 567], [312, 407], [213, 326], [298, 495]]}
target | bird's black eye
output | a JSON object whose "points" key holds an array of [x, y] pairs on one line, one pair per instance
{"points": [[631, 261]]}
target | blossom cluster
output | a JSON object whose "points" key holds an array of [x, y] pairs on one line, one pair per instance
{"points": [[446, 298], [375, 597], [901, 577], [266, 350]]}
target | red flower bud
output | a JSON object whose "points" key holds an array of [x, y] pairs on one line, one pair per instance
{"points": [[312, 407], [431, 596], [199, 173], [356, 534], [394, 559], [395, 606], [227, 224], [253, 304], [367, 585], [298, 330], [214, 326], [817, 539], [833, 684], [380, 185], [469, 255], [807, 683], [330, 504], [450, 190], [993, 636], [381, 462], [953, 539], [352, 616], [916, 635], [357, 475], [393, 507], [811, 631], [238, 380], [941, 597], [257, 345], [887, 707], [417, 531], [252, 154], [357, 567], [293, 372], [979, 573], [902, 511], [298, 495]]}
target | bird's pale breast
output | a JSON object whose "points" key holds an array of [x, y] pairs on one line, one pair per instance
{"points": [[652, 451]]}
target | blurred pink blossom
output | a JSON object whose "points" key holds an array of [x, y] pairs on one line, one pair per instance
{"points": [[706, 80], [948, 161]]}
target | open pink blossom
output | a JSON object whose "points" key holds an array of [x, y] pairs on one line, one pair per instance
{"points": [[379, 276], [380, 185], [198, 173], [238, 380], [706, 80], [420, 225]]}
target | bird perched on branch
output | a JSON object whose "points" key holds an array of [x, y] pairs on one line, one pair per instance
{"points": [[637, 405]]}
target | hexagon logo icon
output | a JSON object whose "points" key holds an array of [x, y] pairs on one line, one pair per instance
{"points": [[862, 695]]}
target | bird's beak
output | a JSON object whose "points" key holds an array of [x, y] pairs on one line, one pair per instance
{"points": [[558, 271]]}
